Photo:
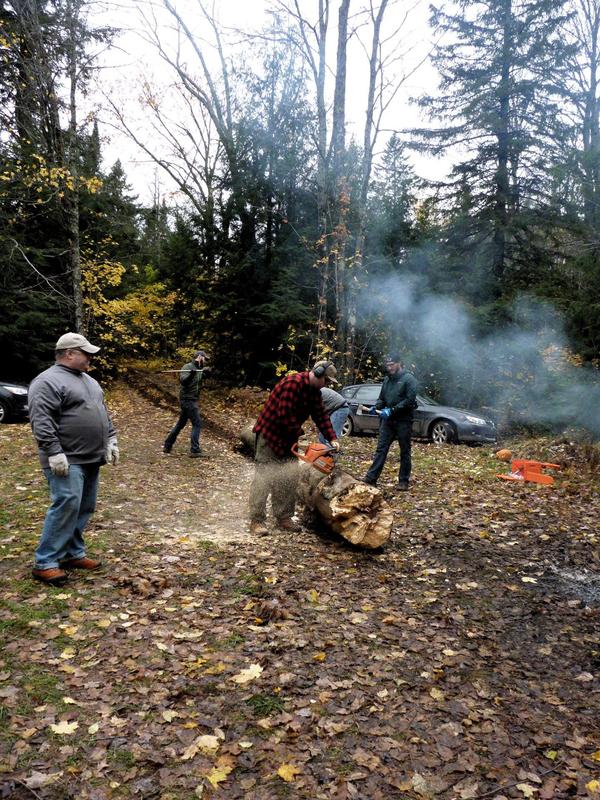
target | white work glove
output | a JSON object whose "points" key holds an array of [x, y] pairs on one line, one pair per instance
{"points": [[336, 445], [59, 465], [112, 452]]}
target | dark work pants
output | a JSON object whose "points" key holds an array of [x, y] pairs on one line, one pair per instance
{"points": [[189, 410], [390, 431]]}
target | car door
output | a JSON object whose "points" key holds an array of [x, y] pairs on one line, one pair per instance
{"points": [[367, 396], [419, 419]]}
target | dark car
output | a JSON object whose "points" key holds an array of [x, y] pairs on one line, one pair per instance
{"points": [[13, 401], [440, 424]]}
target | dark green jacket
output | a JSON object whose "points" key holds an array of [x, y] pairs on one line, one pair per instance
{"points": [[189, 378], [399, 392]]}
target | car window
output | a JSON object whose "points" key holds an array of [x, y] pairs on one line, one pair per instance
{"points": [[424, 398], [368, 394], [349, 391]]}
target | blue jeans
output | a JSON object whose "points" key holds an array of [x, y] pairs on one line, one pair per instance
{"points": [[338, 418], [73, 502], [191, 411], [390, 431]]}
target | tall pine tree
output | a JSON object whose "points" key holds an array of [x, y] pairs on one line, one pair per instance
{"points": [[499, 107]]}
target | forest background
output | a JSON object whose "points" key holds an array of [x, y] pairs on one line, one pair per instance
{"points": [[289, 239]]}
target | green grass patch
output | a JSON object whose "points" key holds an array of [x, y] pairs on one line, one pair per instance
{"points": [[206, 544], [231, 642], [15, 618], [249, 586], [122, 758], [40, 687], [263, 705]]}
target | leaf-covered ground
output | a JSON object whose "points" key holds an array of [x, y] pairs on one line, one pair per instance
{"points": [[460, 662]]}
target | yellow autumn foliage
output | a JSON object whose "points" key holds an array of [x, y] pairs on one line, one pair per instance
{"points": [[139, 324]]}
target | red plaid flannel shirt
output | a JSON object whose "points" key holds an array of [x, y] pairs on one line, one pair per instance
{"points": [[290, 404]]}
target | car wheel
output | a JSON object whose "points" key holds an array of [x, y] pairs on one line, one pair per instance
{"points": [[442, 432], [3, 413], [348, 428]]}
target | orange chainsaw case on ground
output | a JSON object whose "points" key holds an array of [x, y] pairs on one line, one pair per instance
{"points": [[524, 470]]}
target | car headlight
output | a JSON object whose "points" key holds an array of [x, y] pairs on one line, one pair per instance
{"points": [[474, 420], [16, 389]]}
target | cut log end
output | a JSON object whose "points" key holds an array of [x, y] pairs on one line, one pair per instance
{"points": [[350, 508]]}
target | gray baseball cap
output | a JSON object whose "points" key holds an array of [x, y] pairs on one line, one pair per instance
{"points": [[75, 341]]}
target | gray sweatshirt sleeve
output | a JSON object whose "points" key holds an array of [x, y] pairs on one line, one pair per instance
{"points": [[112, 433], [44, 411]]}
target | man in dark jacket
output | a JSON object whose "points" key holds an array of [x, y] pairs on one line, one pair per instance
{"points": [[75, 436], [396, 405], [279, 426], [190, 377]]}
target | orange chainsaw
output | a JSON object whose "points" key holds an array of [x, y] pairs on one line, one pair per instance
{"points": [[317, 455]]}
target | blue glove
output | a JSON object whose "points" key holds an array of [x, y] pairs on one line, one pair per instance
{"points": [[386, 413], [372, 411]]}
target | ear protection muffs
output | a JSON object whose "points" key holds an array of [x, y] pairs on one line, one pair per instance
{"points": [[320, 371]]}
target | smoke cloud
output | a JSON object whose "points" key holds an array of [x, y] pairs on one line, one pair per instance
{"points": [[522, 370]]}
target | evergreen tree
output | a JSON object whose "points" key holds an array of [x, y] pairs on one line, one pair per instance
{"points": [[391, 208], [499, 102]]}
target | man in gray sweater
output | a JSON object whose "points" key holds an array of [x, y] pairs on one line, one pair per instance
{"points": [[338, 409], [75, 436]]}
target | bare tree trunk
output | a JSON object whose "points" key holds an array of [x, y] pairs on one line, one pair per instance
{"points": [[339, 183], [502, 174], [370, 134], [587, 33], [72, 191], [338, 128]]}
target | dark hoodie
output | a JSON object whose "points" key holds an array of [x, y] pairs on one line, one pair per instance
{"points": [[399, 392]]}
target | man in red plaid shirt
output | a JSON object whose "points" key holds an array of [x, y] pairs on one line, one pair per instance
{"points": [[279, 425]]}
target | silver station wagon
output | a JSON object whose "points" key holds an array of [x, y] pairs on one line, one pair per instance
{"points": [[439, 424]]}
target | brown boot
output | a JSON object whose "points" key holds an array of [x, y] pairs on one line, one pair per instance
{"points": [[288, 524], [258, 528], [81, 563], [52, 576]]}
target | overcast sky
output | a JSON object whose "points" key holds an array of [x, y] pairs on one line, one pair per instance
{"points": [[133, 60]]}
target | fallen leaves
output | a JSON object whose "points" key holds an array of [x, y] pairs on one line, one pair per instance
{"points": [[246, 675], [220, 772], [526, 789], [64, 728], [38, 780], [429, 669], [202, 744], [288, 772]]}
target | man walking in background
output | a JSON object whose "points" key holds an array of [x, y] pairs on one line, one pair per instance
{"points": [[396, 405], [190, 377], [279, 426], [75, 436]]}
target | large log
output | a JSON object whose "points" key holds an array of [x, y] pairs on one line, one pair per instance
{"points": [[348, 507]]}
